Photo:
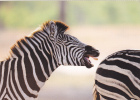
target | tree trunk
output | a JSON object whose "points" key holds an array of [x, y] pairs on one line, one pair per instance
{"points": [[62, 11]]}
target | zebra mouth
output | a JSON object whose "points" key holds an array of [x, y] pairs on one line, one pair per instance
{"points": [[87, 59]]}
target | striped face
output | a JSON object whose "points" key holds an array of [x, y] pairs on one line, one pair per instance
{"points": [[68, 50]]}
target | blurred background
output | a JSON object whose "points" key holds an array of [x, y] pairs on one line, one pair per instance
{"points": [[109, 26]]}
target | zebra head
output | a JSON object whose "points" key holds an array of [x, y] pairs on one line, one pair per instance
{"points": [[67, 49]]}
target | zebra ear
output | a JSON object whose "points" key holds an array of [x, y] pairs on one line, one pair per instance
{"points": [[61, 27], [52, 28]]}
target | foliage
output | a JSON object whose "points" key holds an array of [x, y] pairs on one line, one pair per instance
{"points": [[28, 14], [104, 12]]}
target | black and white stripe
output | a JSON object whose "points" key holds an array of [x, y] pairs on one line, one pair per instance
{"points": [[118, 77], [35, 57]]}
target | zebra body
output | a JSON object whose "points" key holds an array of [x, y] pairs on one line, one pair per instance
{"points": [[118, 77], [35, 57]]}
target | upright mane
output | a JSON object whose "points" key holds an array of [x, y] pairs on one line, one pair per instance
{"points": [[61, 27]]}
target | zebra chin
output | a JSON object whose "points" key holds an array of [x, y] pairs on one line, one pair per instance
{"points": [[88, 55], [87, 64]]}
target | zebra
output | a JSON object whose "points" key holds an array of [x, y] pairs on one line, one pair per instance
{"points": [[33, 58], [118, 77]]}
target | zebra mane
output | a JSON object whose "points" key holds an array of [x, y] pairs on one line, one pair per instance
{"points": [[17, 45], [61, 28]]}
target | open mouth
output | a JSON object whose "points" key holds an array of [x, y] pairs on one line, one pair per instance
{"points": [[87, 59]]}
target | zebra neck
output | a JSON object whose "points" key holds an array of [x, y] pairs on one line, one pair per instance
{"points": [[33, 62]]}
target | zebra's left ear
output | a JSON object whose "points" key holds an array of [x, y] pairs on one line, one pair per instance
{"points": [[61, 27]]}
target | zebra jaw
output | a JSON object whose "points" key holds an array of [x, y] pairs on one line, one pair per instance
{"points": [[88, 61]]}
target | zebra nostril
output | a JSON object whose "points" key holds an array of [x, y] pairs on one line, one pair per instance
{"points": [[89, 48], [97, 53]]}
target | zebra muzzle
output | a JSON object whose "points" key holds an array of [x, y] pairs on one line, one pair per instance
{"points": [[90, 54]]}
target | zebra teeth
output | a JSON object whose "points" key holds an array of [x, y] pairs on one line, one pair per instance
{"points": [[87, 59], [95, 58]]}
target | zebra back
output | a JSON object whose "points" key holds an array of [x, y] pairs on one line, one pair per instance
{"points": [[118, 76]]}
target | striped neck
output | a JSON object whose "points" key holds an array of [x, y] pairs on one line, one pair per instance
{"points": [[35, 60]]}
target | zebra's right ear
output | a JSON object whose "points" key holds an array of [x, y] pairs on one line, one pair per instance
{"points": [[61, 27]]}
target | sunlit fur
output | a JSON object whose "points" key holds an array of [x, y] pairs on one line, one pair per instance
{"points": [[33, 59]]}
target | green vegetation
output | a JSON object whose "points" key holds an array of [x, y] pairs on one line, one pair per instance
{"points": [[105, 12], [28, 14]]}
